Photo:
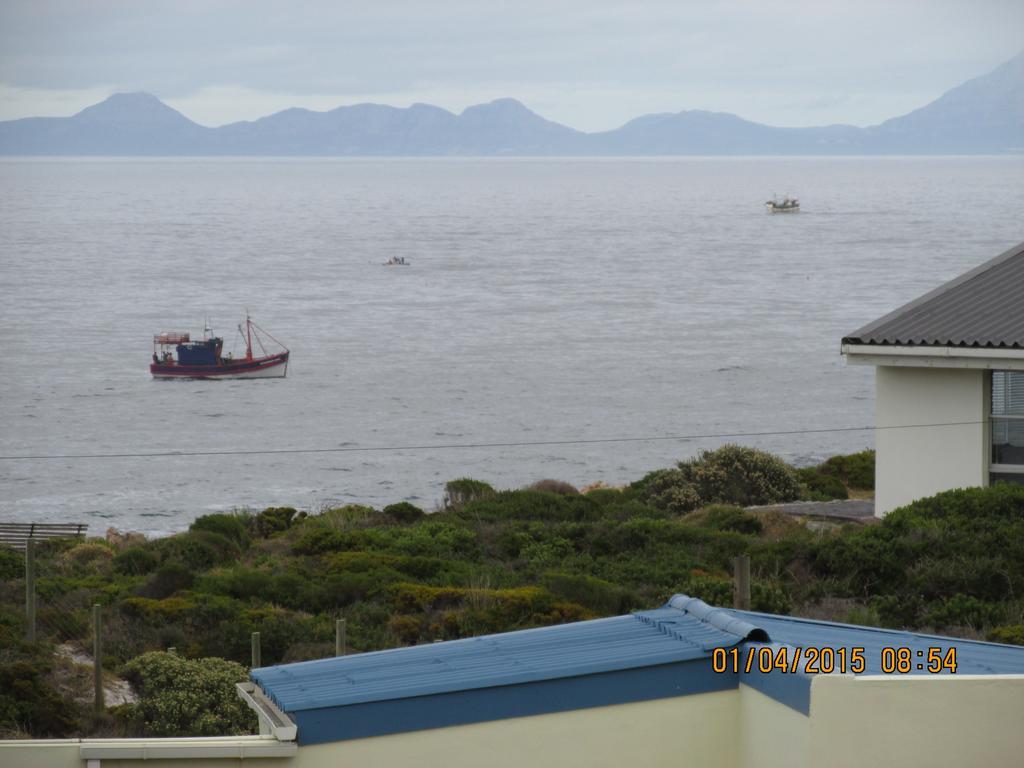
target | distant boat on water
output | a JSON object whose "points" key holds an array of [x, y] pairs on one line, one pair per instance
{"points": [[785, 205], [177, 356], [396, 261]]}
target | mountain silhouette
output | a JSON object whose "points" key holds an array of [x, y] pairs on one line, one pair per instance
{"points": [[982, 116]]}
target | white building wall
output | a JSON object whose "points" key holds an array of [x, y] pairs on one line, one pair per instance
{"points": [[917, 721], [771, 735], [917, 462], [698, 730]]}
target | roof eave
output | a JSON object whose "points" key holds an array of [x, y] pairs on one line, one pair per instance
{"points": [[929, 356]]}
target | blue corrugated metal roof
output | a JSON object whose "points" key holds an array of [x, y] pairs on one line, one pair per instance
{"points": [[973, 657], [648, 655], [649, 638]]}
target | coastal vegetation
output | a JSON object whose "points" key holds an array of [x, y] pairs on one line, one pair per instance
{"points": [[487, 561]]}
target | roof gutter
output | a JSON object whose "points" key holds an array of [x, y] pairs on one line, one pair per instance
{"points": [[276, 739], [223, 747], [273, 722], [934, 356]]}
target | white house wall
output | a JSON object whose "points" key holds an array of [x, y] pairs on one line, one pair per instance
{"points": [[915, 462], [698, 730], [771, 734], [917, 721], [695, 730]]}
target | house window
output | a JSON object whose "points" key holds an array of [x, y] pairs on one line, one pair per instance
{"points": [[1007, 426]]}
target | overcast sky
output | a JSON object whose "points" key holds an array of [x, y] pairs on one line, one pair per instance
{"points": [[590, 64]]}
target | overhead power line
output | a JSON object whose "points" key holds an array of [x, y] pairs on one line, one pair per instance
{"points": [[461, 446]]}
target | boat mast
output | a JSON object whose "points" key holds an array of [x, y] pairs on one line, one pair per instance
{"points": [[248, 337]]}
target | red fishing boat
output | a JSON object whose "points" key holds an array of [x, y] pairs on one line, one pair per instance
{"points": [[177, 356]]}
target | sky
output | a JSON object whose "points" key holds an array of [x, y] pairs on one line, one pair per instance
{"points": [[590, 64]]}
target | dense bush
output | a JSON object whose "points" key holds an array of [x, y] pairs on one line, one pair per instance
{"points": [[554, 486], [531, 505], [195, 550], [87, 557], [598, 595], [136, 561], [954, 559], [855, 470], [168, 579], [274, 520], [231, 527], [458, 493], [722, 517], [12, 563], [821, 486], [184, 697], [731, 474], [404, 512], [29, 703], [668, 489]]}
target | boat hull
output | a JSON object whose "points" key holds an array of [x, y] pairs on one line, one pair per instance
{"points": [[270, 367]]}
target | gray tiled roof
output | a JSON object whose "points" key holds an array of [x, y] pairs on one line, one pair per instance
{"points": [[982, 308]]}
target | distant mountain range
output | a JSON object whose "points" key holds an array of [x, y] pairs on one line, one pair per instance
{"points": [[983, 116]]}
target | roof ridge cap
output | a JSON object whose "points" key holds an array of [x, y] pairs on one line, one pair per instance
{"points": [[719, 618]]}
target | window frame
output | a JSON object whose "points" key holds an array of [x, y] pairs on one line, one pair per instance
{"points": [[990, 422]]}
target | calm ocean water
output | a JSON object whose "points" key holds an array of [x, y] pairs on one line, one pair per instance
{"points": [[547, 300]]}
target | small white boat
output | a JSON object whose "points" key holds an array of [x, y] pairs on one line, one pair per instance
{"points": [[785, 205]]}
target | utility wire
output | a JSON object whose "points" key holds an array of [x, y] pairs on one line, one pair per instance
{"points": [[456, 446]]}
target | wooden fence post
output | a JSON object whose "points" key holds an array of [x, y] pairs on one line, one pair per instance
{"points": [[97, 660], [256, 650], [340, 639], [741, 576], [30, 589]]}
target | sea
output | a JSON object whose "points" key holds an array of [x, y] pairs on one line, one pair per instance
{"points": [[587, 320]]}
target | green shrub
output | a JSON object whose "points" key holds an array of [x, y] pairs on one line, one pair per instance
{"points": [[668, 489], [1012, 634], [731, 474], [531, 505], [856, 470], [746, 477], [598, 595], [196, 550], [713, 591], [12, 563], [136, 561], [554, 486], [29, 703], [239, 582], [318, 540], [722, 517], [962, 611], [458, 493], [184, 697], [404, 512], [820, 486], [953, 559], [169, 578], [274, 520], [87, 557], [231, 527]]}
